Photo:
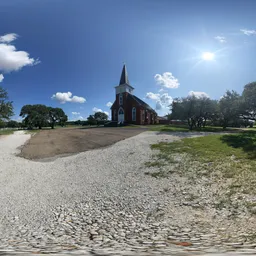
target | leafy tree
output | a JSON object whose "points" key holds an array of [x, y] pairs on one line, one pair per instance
{"points": [[193, 109], [230, 108], [91, 120], [101, 116], [63, 120], [41, 115], [35, 115], [6, 107], [249, 101], [56, 115], [13, 124], [2, 124], [78, 122], [97, 118]]}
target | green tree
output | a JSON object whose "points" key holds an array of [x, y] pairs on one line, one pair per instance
{"points": [[35, 115], [230, 108], [100, 117], [6, 107], [13, 124], [2, 124], [195, 110], [63, 120], [91, 120], [56, 115], [249, 101]]}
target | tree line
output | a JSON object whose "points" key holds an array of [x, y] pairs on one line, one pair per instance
{"points": [[38, 116], [99, 118], [232, 109]]}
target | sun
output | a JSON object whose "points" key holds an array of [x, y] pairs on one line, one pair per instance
{"points": [[208, 56]]}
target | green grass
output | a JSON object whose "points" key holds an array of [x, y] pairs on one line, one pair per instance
{"points": [[241, 146], [230, 156], [7, 132], [168, 128], [184, 128]]}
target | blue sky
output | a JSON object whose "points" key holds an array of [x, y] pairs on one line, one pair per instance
{"points": [[79, 46]]}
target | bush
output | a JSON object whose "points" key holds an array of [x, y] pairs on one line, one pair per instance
{"points": [[2, 124], [111, 124]]}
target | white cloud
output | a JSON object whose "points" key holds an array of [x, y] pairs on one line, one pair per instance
{"points": [[109, 104], [167, 80], [10, 58], [75, 113], [77, 99], [76, 118], [198, 94], [248, 32], [163, 101], [221, 39], [152, 96], [1, 78], [162, 90], [8, 38], [64, 97], [99, 110]]}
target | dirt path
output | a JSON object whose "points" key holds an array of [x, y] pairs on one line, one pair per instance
{"points": [[60, 142]]}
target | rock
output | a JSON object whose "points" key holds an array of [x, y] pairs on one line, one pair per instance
{"points": [[93, 232]]}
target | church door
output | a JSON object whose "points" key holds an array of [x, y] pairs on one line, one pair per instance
{"points": [[120, 115]]}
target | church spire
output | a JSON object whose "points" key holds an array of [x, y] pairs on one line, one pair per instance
{"points": [[124, 76]]}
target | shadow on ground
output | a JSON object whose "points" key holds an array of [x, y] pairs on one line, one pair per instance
{"points": [[244, 140]]}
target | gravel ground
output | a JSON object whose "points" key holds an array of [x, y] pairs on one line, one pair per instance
{"points": [[100, 202]]}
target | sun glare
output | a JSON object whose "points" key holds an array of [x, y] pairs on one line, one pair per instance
{"points": [[208, 56]]}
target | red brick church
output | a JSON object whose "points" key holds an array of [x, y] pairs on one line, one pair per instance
{"points": [[128, 108]]}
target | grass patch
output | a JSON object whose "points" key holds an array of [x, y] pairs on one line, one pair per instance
{"points": [[7, 132], [251, 207], [168, 128], [230, 156], [245, 141], [184, 128], [209, 148]]}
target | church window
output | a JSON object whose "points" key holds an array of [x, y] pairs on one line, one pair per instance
{"points": [[120, 99], [143, 115], [121, 111], [133, 114]]}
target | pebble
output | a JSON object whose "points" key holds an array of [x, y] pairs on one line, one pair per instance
{"points": [[126, 213]]}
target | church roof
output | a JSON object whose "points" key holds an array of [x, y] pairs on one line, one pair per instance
{"points": [[124, 76], [141, 102]]}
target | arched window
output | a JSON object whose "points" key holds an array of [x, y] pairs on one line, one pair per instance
{"points": [[120, 99], [121, 111], [134, 114]]}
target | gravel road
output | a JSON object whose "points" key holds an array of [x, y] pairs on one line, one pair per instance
{"points": [[99, 202]]}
